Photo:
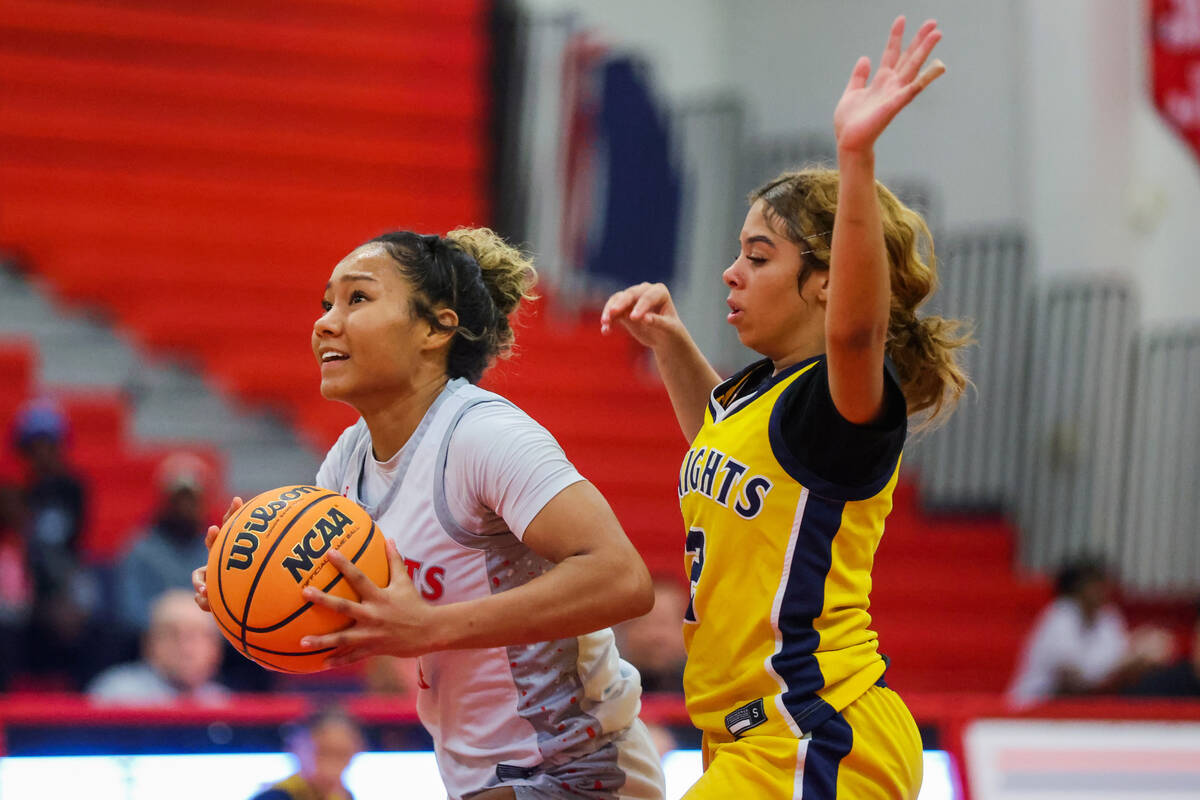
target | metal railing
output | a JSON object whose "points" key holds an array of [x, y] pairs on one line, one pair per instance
{"points": [[1160, 549], [1074, 422], [970, 463]]}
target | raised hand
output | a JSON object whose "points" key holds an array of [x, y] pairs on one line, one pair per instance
{"points": [[645, 310], [391, 620], [867, 107], [200, 573]]}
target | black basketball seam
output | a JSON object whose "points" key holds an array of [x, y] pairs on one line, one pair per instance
{"points": [[230, 635], [266, 663], [246, 507], [267, 557], [332, 583], [291, 652], [251, 506], [270, 665]]}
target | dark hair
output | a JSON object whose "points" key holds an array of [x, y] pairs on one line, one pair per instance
{"points": [[1074, 575], [476, 274], [315, 720]]}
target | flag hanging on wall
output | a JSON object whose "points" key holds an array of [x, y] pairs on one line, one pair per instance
{"points": [[1175, 67]]}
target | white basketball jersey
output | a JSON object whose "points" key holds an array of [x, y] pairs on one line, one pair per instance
{"points": [[498, 714]]}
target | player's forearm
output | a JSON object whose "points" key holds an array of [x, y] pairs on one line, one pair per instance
{"points": [[689, 379], [859, 284], [581, 594]]}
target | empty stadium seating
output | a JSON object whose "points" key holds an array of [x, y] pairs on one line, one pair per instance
{"points": [[197, 169]]}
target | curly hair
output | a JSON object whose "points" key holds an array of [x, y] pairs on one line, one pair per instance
{"points": [[478, 275], [925, 349]]}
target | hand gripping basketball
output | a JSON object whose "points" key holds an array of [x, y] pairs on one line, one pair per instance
{"points": [[272, 548], [199, 574], [392, 620]]}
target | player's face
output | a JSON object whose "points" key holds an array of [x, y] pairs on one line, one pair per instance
{"points": [[367, 342], [765, 306]]}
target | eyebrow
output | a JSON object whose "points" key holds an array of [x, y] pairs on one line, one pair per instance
{"points": [[353, 276], [760, 238]]}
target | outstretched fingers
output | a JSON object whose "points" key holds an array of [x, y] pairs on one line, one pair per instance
{"points": [[934, 71], [891, 52], [859, 75], [918, 51]]}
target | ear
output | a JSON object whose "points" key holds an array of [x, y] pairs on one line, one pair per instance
{"points": [[823, 287], [816, 287], [436, 338]]}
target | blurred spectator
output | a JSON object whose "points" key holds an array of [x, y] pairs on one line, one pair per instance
{"points": [[163, 556], [66, 595], [1180, 679], [653, 642], [16, 583], [181, 652], [1079, 644], [323, 745]]}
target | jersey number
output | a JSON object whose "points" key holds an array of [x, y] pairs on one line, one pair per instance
{"points": [[695, 548]]}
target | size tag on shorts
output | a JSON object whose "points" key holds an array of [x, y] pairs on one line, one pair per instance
{"points": [[743, 719], [510, 772]]}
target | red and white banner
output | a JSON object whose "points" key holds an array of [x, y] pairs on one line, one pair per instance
{"points": [[1175, 55]]}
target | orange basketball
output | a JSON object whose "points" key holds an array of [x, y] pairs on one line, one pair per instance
{"points": [[273, 547]]}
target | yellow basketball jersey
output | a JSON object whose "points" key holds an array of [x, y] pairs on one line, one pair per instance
{"points": [[778, 631]]}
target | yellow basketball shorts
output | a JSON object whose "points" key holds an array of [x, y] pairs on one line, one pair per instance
{"points": [[872, 749]]}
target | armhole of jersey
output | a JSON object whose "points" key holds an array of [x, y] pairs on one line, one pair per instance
{"points": [[476, 541], [809, 479], [350, 444]]}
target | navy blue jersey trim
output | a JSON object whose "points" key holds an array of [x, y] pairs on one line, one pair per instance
{"points": [[806, 477], [803, 599], [830, 743], [760, 388]]}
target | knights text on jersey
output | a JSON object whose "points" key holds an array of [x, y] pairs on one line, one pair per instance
{"points": [[778, 630], [495, 714]]}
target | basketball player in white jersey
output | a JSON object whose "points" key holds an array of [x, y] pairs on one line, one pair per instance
{"points": [[507, 566]]}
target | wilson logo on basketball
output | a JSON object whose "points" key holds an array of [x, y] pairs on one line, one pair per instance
{"points": [[273, 547], [241, 554]]}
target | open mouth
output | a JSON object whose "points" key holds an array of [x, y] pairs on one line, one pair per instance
{"points": [[735, 312], [332, 356]]}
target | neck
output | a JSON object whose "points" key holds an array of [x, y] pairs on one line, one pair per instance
{"points": [[392, 423], [801, 348]]}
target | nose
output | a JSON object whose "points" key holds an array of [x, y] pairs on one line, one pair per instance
{"points": [[732, 276], [328, 324]]}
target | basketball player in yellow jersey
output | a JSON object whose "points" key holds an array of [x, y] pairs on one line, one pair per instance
{"points": [[793, 461]]}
